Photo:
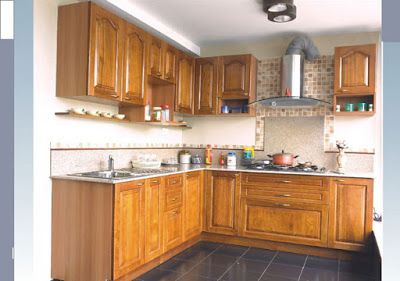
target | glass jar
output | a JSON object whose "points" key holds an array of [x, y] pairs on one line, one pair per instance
{"points": [[156, 113]]}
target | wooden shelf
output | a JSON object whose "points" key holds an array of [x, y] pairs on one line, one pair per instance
{"points": [[100, 118], [354, 113]]}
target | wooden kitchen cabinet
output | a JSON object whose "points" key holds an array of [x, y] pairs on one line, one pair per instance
{"points": [[129, 224], [222, 202], [134, 82], [156, 57], [237, 76], [350, 213], [193, 205], [184, 86], [355, 69], [206, 86], [89, 52], [154, 218], [170, 59]]}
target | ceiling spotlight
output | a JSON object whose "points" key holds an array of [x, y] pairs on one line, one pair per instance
{"points": [[280, 10]]}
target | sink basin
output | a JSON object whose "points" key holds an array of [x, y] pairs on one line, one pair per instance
{"points": [[105, 174]]}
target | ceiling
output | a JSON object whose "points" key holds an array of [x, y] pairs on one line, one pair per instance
{"points": [[206, 22]]}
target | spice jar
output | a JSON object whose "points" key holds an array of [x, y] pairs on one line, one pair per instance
{"points": [[156, 113], [165, 113]]}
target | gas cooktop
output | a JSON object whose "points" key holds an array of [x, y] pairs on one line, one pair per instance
{"points": [[301, 168]]}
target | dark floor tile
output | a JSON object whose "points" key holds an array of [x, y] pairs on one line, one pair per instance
{"points": [[238, 273], [356, 267], [193, 277], [160, 275], [322, 263], [284, 270], [208, 270], [344, 276], [230, 250], [219, 260], [266, 277], [290, 259], [246, 265], [181, 266], [259, 254], [204, 245], [314, 274], [194, 256]]}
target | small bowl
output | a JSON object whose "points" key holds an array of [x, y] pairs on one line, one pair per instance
{"points": [[93, 112], [106, 114], [78, 111], [119, 116]]}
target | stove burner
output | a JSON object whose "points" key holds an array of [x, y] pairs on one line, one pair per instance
{"points": [[299, 168]]}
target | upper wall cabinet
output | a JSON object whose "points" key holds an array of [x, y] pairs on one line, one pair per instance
{"points": [[163, 59], [184, 87], [134, 65], [237, 77], [355, 69], [156, 57], [170, 59], [206, 85]]}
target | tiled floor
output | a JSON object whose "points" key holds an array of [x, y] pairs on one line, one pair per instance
{"points": [[210, 261]]}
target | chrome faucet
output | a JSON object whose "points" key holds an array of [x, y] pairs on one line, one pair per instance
{"points": [[111, 163]]}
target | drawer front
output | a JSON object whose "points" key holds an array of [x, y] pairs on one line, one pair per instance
{"points": [[284, 222], [174, 180], [173, 199], [286, 181], [286, 194]]}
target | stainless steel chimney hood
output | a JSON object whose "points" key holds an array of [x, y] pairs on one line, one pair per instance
{"points": [[292, 78]]}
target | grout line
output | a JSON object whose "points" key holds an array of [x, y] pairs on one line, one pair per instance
{"points": [[200, 261], [237, 259], [265, 270], [302, 269]]}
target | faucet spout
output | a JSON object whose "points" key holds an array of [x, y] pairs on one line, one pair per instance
{"points": [[110, 163]]}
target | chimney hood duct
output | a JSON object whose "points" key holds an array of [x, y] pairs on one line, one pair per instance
{"points": [[292, 77]]}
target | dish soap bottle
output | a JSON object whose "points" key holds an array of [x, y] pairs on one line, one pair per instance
{"points": [[208, 155]]}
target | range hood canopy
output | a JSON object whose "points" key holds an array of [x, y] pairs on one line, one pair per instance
{"points": [[292, 77]]}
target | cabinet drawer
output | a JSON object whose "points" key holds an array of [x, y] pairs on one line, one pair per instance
{"points": [[287, 194], [173, 199], [284, 222], [286, 181], [174, 180]]}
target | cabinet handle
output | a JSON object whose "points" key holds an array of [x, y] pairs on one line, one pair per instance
{"points": [[158, 74], [344, 90], [282, 205], [283, 195], [173, 199], [175, 213], [286, 181], [339, 180], [155, 181], [115, 96], [173, 182], [139, 184], [127, 98]]}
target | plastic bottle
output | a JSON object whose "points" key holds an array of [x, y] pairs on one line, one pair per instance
{"points": [[208, 155]]}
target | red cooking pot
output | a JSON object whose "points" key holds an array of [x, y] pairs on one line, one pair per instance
{"points": [[283, 159]]}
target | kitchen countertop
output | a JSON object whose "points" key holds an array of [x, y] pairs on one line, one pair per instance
{"points": [[198, 167]]}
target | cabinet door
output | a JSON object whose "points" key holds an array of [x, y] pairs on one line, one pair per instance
{"points": [[193, 205], [223, 202], [134, 71], [154, 218], [355, 69], [206, 85], [300, 223], [170, 63], [128, 227], [184, 91], [235, 76], [105, 54], [156, 57], [172, 229], [350, 213]]}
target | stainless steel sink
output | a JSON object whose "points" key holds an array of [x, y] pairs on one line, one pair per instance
{"points": [[106, 174]]}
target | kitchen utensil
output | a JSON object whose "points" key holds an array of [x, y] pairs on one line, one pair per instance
{"points": [[184, 157], [349, 107], [78, 111], [119, 116], [338, 108], [196, 159], [362, 106], [93, 112], [106, 114], [283, 159]]}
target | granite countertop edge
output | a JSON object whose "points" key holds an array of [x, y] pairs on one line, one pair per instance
{"points": [[192, 168]]}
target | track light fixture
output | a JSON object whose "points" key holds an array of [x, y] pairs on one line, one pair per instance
{"points": [[280, 10]]}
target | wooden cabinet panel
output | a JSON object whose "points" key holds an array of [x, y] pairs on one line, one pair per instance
{"points": [[235, 76], [206, 85], [285, 222], [173, 232], [129, 214], [134, 70], [355, 69], [170, 54], [184, 87], [156, 57], [105, 54], [154, 219], [223, 202], [193, 205], [350, 213]]}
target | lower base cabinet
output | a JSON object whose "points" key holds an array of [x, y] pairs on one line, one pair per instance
{"points": [[300, 223], [173, 235], [193, 196]]}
